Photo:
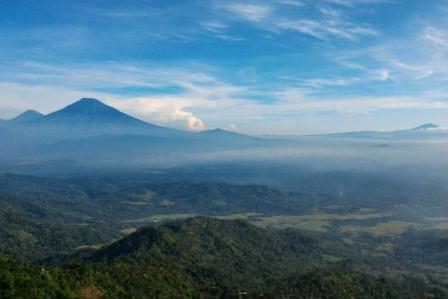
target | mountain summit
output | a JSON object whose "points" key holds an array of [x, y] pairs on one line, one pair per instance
{"points": [[88, 105], [89, 111], [26, 116], [424, 127], [91, 132], [86, 118]]}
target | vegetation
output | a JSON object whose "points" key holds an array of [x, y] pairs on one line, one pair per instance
{"points": [[205, 258], [113, 238]]}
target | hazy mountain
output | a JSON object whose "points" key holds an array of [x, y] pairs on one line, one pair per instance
{"points": [[427, 126], [90, 117], [223, 133], [427, 130], [229, 137], [27, 116], [93, 113], [88, 131]]}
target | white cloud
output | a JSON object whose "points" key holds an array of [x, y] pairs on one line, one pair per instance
{"points": [[250, 12], [436, 36], [357, 2], [195, 89], [163, 110], [218, 30], [16, 98], [233, 128], [295, 100], [384, 75], [331, 23], [182, 111], [418, 58], [213, 26], [292, 2], [323, 29], [324, 82]]}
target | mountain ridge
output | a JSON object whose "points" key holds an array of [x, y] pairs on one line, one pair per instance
{"points": [[92, 110], [426, 126], [27, 116]]}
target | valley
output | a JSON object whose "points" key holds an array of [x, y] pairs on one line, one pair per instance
{"points": [[61, 222], [237, 222]]}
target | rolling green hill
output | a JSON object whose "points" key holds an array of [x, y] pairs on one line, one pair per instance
{"points": [[205, 258]]}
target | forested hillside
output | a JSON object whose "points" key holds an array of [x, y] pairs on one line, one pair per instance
{"points": [[131, 238], [205, 258]]}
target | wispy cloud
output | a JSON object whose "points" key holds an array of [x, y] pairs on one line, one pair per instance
{"points": [[163, 110], [194, 89], [436, 36], [357, 2], [416, 59], [327, 29], [253, 64], [293, 99], [219, 30], [323, 82], [250, 12], [326, 24], [292, 2]]}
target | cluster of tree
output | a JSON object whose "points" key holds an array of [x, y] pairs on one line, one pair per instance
{"points": [[42, 217], [46, 219], [204, 258]]}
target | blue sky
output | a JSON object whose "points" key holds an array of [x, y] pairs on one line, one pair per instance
{"points": [[261, 67]]}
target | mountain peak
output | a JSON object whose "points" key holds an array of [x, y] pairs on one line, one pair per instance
{"points": [[26, 116], [89, 116], [88, 108], [88, 105], [425, 127], [89, 101]]}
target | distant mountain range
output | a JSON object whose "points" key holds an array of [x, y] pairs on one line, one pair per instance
{"points": [[25, 117], [85, 118], [423, 131], [90, 117], [426, 130], [90, 133], [89, 130]]}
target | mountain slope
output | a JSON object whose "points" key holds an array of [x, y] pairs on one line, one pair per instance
{"points": [[424, 127], [428, 130], [88, 132], [205, 258], [27, 116], [341, 283], [90, 117], [197, 238], [221, 136], [91, 111], [33, 207], [227, 252]]}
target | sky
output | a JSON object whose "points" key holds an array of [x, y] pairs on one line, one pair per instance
{"points": [[259, 67]]}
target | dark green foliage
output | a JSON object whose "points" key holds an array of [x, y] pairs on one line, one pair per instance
{"points": [[41, 217], [349, 284], [23, 233], [229, 253], [203, 258]]}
